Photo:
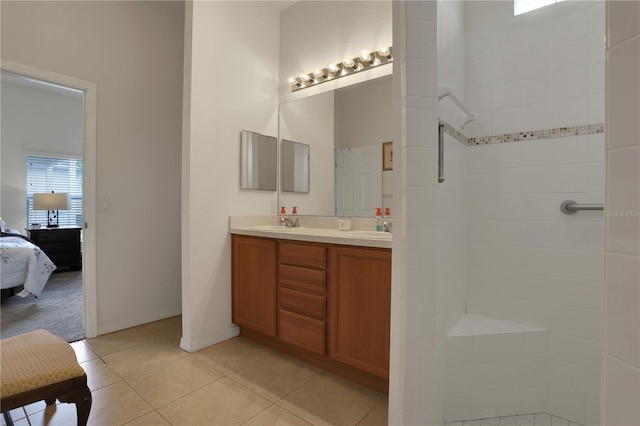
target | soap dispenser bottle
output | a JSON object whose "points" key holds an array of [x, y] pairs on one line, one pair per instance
{"points": [[283, 216], [387, 224], [378, 220]]}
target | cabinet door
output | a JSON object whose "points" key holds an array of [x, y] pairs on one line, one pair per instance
{"points": [[360, 308], [254, 283]]}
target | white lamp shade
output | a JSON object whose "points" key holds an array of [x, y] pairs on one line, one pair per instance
{"points": [[51, 201]]}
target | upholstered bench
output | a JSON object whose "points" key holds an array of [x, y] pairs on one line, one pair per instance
{"points": [[39, 366]]}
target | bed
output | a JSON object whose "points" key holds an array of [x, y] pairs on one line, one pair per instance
{"points": [[22, 263]]}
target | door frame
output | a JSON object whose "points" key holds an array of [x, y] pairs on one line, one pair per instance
{"points": [[90, 90]]}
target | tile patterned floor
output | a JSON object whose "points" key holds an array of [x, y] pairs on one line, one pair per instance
{"points": [[140, 377], [540, 419]]}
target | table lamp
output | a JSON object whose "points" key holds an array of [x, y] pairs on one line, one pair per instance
{"points": [[52, 202]]}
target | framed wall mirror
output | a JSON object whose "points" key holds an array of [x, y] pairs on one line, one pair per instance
{"points": [[294, 166], [258, 161], [346, 129]]}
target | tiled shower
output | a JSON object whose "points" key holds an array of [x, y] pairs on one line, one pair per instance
{"points": [[504, 250], [536, 84]]}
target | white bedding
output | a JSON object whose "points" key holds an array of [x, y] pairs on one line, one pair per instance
{"points": [[23, 263]]}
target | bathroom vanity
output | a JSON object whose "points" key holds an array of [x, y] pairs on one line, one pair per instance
{"points": [[315, 297]]}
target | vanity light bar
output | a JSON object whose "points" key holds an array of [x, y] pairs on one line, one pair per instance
{"points": [[349, 65]]}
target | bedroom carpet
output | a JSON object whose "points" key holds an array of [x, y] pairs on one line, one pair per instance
{"points": [[59, 309]]}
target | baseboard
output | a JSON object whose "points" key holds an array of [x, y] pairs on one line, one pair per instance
{"points": [[211, 339], [142, 319]]}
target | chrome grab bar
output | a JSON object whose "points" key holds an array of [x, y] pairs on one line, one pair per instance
{"points": [[571, 207], [440, 152]]}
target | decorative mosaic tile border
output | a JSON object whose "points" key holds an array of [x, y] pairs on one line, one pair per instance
{"points": [[559, 132]]}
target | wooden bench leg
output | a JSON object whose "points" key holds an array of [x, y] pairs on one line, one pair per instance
{"points": [[82, 399], [7, 418], [50, 401]]}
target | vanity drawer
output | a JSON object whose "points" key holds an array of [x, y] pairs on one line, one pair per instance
{"points": [[311, 256], [302, 302], [303, 278], [299, 330]]}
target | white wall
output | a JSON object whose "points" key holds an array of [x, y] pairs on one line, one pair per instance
{"points": [[621, 349], [311, 121], [36, 119], [220, 101], [538, 70], [137, 65]]}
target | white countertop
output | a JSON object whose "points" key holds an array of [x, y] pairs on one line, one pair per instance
{"points": [[316, 235]]}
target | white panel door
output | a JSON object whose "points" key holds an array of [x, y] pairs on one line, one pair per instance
{"points": [[358, 180]]}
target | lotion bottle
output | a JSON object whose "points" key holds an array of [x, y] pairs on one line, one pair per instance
{"points": [[378, 220]]}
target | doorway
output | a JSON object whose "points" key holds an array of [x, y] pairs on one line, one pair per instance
{"points": [[11, 193]]}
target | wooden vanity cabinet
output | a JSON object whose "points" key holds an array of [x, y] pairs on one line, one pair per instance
{"points": [[328, 305], [302, 295], [253, 279], [361, 308]]}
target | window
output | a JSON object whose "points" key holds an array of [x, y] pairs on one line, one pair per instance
{"points": [[46, 174], [523, 6]]}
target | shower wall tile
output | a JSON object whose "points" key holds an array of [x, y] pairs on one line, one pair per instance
{"points": [[621, 369], [621, 393], [530, 263], [622, 22], [549, 56], [622, 322]]}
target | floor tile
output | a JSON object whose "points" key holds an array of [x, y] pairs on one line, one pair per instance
{"points": [[542, 419], [169, 329], [328, 399], [99, 374], [495, 421], [526, 420], [116, 405], [173, 380], [119, 340], [232, 355], [275, 415], [509, 421], [83, 351], [472, 423], [275, 376], [55, 415], [150, 419], [223, 402], [137, 359], [557, 421], [379, 415]]}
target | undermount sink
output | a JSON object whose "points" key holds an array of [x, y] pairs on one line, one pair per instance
{"points": [[378, 235], [278, 228]]}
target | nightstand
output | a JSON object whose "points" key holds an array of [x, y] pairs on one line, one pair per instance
{"points": [[62, 245]]}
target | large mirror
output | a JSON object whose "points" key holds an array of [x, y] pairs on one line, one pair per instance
{"points": [[258, 161], [294, 166], [346, 129]]}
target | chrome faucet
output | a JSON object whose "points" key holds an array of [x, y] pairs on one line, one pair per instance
{"points": [[290, 223]]}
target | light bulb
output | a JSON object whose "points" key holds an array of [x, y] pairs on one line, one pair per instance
{"points": [[333, 68], [384, 51], [348, 62], [366, 56], [319, 73], [305, 77]]}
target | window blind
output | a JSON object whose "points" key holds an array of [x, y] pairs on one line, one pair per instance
{"points": [[46, 174]]}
